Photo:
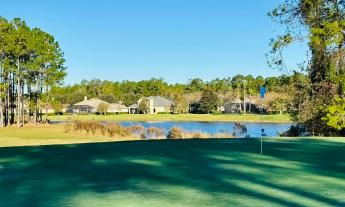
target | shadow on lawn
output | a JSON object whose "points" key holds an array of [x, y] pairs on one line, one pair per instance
{"points": [[289, 174]]}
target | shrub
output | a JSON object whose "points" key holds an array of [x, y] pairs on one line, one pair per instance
{"points": [[112, 129], [78, 126], [94, 127], [175, 133], [68, 127], [143, 136], [136, 130], [154, 132], [116, 129], [239, 129], [197, 135]]}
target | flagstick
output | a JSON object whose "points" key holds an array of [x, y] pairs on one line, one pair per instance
{"points": [[261, 130]]}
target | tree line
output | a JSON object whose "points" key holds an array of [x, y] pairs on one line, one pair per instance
{"points": [[31, 62], [129, 92]]}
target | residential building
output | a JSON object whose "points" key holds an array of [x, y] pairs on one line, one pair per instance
{"points": [[157, 104], [88, 106]]}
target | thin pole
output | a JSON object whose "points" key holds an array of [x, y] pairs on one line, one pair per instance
{"points": [[261, 129]]}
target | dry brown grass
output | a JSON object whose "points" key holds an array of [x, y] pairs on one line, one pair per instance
{"points": [[175, 133], [154, 132]]}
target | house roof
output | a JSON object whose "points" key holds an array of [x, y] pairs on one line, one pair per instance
{"points": [[117, 106], [66, 105], [94, 102], [159, 101], [134, 106], [49, 106]]}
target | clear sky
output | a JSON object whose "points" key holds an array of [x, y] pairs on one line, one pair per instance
{"points": [[171, 39]]}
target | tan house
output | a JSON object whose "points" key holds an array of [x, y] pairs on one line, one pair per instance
{"points": [[88, 106], [66, 108], [118, 108], [157, 104]]}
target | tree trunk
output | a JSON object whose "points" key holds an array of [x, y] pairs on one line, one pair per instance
{"points": [[6, 102], [7, 121], [244, 101], [250, 103], [18, 95], [47, 97], [22, 104]]}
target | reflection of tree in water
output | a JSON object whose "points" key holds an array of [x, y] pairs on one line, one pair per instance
{"points": [[240, 129]]}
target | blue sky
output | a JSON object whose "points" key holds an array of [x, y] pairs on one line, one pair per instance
{"points": [[171, 39]]}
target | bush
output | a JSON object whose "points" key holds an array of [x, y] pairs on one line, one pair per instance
{"points": [[110, 129], [197, 135], [154, 132], [116, 129], [239, 129], [296, 131], [137, 130], [68, 127], [78, 126], [175, 133]]}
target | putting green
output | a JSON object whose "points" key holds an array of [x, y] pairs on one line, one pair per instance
{"points": [[200, 173]]}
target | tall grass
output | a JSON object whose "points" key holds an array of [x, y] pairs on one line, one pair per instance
{"points": [[110, 129], [154, 132], [114, 129], [175, 133]]}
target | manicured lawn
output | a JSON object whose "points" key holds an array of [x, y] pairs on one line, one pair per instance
{"points": [[200, 173], [177, 117]]}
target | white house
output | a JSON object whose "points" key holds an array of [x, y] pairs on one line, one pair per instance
{"points": [[157, 104]]}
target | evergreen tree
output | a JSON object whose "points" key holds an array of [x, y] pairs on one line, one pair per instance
{"points": [[209, 101]]}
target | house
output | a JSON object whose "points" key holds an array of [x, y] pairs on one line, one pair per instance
{"points": [[133, 109], [66, 108], [118, 108], [233, 107], [157, 104], [88, 106], [237, 106]]}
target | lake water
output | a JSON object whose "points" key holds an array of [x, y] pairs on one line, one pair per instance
{"points": [[253, 129]]}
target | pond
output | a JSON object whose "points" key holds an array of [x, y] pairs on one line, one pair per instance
{"points": [[253, 129]]}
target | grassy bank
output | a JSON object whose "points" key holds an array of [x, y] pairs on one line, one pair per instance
{"points": [[46, 135], [202, 173], [177, 117]]}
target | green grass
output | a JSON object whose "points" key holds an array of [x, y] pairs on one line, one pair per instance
{"points": [[177, 117], [200, 173]]}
